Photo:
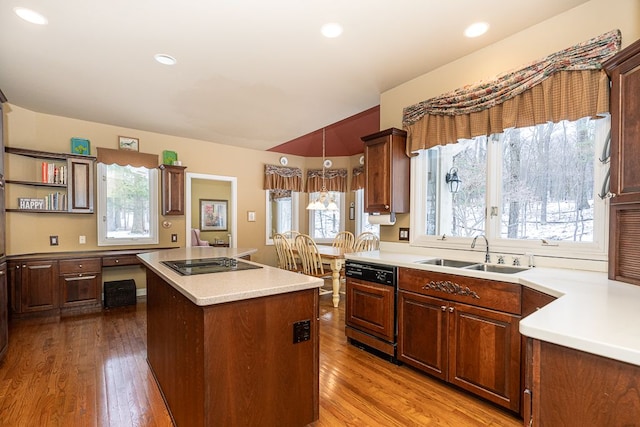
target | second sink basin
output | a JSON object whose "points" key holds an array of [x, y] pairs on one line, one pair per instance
{"points": [[447, 262], [494, 268]]}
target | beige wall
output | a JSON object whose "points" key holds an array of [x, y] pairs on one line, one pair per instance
{"points": [[574, 26]]}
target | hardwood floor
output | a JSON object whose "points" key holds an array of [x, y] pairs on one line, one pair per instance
{"points": [[91, 371]]}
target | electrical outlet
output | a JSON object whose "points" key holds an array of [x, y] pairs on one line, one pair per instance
{"points": [[174, 238], [82, 240], [53, 240]]}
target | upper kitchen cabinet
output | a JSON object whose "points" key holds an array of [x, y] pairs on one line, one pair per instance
{"points": [[624, 217], [172, 189], [624, 71], [387, 166]]}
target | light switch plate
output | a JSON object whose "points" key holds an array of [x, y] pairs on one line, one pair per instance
{"points": [[53, 240], [251, 216], [403, 234]]}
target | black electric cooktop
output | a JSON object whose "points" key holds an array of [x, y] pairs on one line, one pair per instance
{"points": [[190, 267]]}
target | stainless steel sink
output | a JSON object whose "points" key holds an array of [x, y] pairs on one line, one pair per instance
{"points": [[447, 262], [494, 268]]}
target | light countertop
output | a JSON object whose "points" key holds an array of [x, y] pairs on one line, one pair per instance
{"points": [[592, 313], [216, 288]]}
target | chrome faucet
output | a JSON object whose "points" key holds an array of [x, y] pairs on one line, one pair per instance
{"points": [[487, 258]]}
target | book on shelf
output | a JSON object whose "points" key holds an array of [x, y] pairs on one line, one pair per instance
{"points": [[53, 174]]}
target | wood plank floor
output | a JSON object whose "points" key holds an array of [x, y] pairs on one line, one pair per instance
{"points": [[91, 370]]}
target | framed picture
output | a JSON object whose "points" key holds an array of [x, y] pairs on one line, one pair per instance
{"points": [[127, 143], [80, 146], [213, 215]]}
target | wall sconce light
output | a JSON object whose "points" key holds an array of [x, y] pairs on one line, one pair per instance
{"points": [[453, 180]]}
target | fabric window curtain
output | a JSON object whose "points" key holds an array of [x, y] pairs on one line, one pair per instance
{"points": [[566, 85], [282, 178], [334, 180], [109, 156], [357, 178]]}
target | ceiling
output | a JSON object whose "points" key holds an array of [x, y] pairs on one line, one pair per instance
{"points": [[250, 73]]}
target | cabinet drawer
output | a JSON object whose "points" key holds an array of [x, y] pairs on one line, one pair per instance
{"points": [[501, 296], [79, 265], [117, 260]]}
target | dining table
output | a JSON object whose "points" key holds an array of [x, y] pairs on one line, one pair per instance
{"points": [[334, 256]]}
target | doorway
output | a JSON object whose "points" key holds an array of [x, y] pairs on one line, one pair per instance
{"points": [[196, 180]]}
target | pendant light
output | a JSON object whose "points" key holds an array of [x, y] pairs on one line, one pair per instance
{"points": [[324, 201]]}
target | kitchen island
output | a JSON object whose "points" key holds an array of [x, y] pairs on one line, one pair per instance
{"points": [[234, 348]]}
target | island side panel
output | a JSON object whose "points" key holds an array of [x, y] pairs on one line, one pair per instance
{"points": [[259, 376], [175, 350]]}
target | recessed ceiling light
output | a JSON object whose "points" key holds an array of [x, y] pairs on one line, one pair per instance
{"points": [[331, 30], [30, 16], [477, 29], [165, 59]]}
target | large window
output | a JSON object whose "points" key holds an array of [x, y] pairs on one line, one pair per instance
{"points": [[127, 205], [325, 224], [536, 184]]}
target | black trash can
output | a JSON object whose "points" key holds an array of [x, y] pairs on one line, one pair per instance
{"points": [[119, 293]]}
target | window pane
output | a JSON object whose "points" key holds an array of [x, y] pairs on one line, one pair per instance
{"points": [[456, 209], [280, 211], [127, 205], [548, 182], [326, 223]]}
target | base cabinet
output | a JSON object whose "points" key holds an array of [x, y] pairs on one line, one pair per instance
{"points": [[462, 330], [80, 283], [573, 388], [34, 286], [472, 347], [55, 286]]}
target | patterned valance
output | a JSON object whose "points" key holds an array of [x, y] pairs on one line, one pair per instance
{"points": [[566, 85], [334, 180], [279, 194], [357, 178], [282, 178]]}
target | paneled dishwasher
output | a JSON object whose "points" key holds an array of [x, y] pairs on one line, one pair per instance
{"points": [[370, 307]]}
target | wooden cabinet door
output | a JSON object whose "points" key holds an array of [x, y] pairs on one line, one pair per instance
{"points": [[172, 190], [387, 167], [39, 286], [484, 353], [422, 333], [80, 185], [625, 130], [370, 307], [4, 311], [377, 188]]}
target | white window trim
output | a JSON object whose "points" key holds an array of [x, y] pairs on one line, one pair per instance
{"points": [[595, 251], [295, 214], [153, 239]]}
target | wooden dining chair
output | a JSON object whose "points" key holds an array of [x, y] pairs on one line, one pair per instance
{"points": [[343, 239], [310, 260], [284, 251], [366, 241]]}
